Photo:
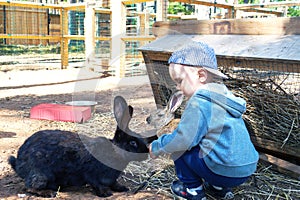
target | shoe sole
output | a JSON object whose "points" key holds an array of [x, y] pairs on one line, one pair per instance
{"points": [[212, 193], [177, 197], [181, 198]]}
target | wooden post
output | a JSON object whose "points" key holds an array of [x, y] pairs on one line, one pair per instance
{"points": [[144, 20], [118, 29], [142, 23], [145, 26], [285, 11], [89, 27], [235, 12], [161, 11], [229, 14], [64, 51]]}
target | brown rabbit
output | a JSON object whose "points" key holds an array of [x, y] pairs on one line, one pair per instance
{"points": [[164, 119]]}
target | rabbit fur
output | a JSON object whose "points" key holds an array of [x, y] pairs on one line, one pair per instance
{"points": [[50, 159], [164, 119]]}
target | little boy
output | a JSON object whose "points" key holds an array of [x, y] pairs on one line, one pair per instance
{"points": [[211, 147]]}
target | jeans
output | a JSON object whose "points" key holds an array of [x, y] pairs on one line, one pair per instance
{"points": [[191, 170]]}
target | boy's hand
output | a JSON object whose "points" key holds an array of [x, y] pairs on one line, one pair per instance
{"points": [[150, 152]]}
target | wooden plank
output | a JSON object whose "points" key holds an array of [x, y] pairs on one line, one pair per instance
{"points": [[75, 6], [103, 38], [18, 17], [52, 37], [24, 9], [64, 49], [81, 7], [205, 3], [281, 165], [162, 57], [29, 4], [54, 27], [38, 37], [260, 63], [89, 32], [265, 50], [257, 10], [2, 20], [118, 18], [161, 13], [129, 2], [267, 5], [54, 30], [138, 38], [270, 147], [144, 23], [105, 3], [103, 10], [258, 26], [54, 19]]}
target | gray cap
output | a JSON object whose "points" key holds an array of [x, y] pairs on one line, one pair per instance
{"points": [[197, 54]]}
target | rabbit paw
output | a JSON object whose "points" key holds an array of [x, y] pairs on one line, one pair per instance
{"points": [[103, 191], [42, 193], [119, 188]]}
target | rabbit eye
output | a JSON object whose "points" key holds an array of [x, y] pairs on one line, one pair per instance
{"points": [[133, 143]]}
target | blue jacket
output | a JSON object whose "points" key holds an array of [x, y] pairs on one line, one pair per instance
{"points": [[213, 120]]}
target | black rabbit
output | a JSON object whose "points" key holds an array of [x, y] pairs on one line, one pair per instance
{"points": [[50, 159]]}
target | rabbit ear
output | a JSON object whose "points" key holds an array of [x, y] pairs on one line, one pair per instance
{"points": [[122, 112], [130, 108], [175, 101]]}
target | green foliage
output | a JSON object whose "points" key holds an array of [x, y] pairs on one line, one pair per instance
{"points": [[248, 1], [294, 11], [77, 47], [38, 49], [175, 8], [24, 49]]}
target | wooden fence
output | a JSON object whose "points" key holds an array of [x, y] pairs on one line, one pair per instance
{"points": [[28, 21]]}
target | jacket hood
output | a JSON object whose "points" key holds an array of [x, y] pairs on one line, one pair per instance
{"points": [[219, 94]]}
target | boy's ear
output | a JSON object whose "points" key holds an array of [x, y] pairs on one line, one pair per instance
{"points": [[202, 73]]}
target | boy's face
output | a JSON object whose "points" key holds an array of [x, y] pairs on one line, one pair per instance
{"points": [[186, 78]]}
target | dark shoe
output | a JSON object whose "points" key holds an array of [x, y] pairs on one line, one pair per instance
{"points": [[180, 191], [225, 193]]}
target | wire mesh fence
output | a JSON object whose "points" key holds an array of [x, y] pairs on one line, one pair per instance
{"points": [[271, 89], [273, 99], [35, 36]]}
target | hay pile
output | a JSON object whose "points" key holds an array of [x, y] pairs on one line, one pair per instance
{"points": [[273, 104], [156, 176]]}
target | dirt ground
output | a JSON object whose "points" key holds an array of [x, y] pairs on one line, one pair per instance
{"points": [[148, 179]]}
